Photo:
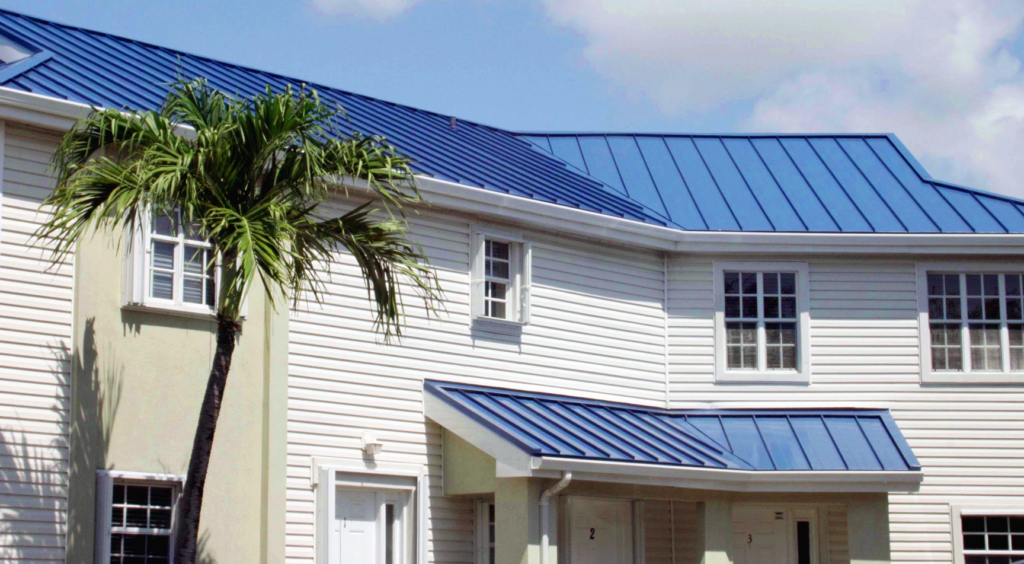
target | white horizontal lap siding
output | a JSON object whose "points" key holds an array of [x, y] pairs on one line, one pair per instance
{"points": [[35, 348], [596, 328], [864, 349]]}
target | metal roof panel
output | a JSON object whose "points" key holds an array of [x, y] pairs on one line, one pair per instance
{"points": [[767, 439]]}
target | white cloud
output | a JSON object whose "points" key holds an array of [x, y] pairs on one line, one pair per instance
{"points": [[936, 72], [374, 9]]}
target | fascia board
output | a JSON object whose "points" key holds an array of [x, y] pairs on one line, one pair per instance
{"points": [[511, 460], [558, 218], [733, 480]]}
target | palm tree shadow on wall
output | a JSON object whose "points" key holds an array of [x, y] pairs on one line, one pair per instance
{"points": [[34, 468]]}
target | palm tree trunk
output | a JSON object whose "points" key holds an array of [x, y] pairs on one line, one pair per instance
{"points": [[191, 503]]}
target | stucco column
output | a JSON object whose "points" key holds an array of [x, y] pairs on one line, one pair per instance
{"points": [[517, 521], [714, 528], [869, 529]]}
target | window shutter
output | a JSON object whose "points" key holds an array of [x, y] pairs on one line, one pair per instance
{"points": [[133, 271], [525, 284], [476, 275], [104, 496]]}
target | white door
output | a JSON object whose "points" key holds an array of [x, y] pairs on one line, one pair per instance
{"points": [[601, 531], [356, 512], [759, 536]]}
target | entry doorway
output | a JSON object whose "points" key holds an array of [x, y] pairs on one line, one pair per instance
{"points": [[371, 526], [600, 531], [774, 535]]}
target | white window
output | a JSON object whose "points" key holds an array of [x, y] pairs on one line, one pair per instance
{"points": [[170, 267], [500, 274], [485, 532], [972, 324], [761, 322], [988, 536], [135, 516]]}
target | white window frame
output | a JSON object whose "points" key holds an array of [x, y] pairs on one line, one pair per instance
{"points": [[518, 295], [802, 374], [965, 376], [483, 530], [958, 511], [136, 275], [104, 501], [393, 480]]}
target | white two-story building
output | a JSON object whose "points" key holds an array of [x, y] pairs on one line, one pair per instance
{"points": [[660, 349]]}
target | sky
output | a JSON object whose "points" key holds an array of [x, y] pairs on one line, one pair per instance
{"points": [[944, 75]]}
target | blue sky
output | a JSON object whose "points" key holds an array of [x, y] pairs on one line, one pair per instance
{"points": [[945, 75]]}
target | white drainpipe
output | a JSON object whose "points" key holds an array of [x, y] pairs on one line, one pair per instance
{"points": [[544, 498]]}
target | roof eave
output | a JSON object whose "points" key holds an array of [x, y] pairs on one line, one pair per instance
{"points": [[730, 480], [564, 219]]}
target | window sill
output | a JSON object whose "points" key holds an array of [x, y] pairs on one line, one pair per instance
{"points": [[494, 325], [180, 311], [756, 377], [969, 378]]}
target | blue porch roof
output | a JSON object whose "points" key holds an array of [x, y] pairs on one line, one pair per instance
{"points": [[546, 425], [784, 183]]}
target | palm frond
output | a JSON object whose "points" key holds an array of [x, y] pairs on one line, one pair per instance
{"points": [[253, 174]]}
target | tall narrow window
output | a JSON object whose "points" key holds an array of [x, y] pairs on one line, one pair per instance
{"points": [[498, 278], [741, 316], [500, 275], [945, 309], [485, 533], [984, 317], [389, 533]]}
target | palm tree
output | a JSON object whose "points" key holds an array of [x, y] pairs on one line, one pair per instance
{"points": [[250, 175]]}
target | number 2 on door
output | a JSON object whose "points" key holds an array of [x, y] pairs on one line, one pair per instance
{"points": [[592, 531]]}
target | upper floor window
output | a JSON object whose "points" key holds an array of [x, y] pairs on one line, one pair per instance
{"points": [[972, 325], [170, 267], [761, 322], [500, 273]]}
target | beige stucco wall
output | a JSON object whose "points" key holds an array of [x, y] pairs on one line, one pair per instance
{"points": [[137, 385]]}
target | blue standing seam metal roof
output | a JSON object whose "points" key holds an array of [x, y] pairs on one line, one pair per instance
{"points": [[868, 183], [732, 439], [784, 183]]}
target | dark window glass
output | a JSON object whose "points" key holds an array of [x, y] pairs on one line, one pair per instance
{"points": [[803, 542]]}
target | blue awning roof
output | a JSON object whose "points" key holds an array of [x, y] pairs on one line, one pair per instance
{"points": [[543, 425], [755, 183]]}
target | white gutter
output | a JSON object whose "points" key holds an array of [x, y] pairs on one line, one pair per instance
{"points": [[52, 113], [731, 480], [544, 498]]}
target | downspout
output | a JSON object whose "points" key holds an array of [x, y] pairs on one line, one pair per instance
{"points": [[544, 498]]}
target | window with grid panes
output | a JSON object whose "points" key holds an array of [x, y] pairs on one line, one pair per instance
{"points": [[500, 280], [976, 322], [993, 539], [497, 278], [182, 266], [760, 320], [141, 517]]}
